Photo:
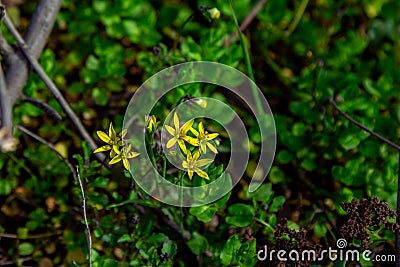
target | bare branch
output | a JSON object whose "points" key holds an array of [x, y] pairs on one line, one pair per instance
{"points": [[45, 107], [49, 145], [36, 37], [52, 87], [87, 229], [6, 50], [359, 125], [246, 22], [5, 107]]}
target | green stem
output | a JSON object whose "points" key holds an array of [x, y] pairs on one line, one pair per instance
{"points": [[265, 224], [164, 168], [151, 154], [247, 61], [297, 17], [181, 174]]}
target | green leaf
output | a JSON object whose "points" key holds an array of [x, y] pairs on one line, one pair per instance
{"points": [[25, 249], [158, 238], [264, 193], [284, 156], [277, 203], [22, 233], [309, 164], [92, 63], [7, 186], [198, 243], [320, 229], [240, 215], [100, 96], [100, 182], [230, 250], [276, 175], [124, 238], [299, 129], [109, 263], [169, 248], [349, 141], [132, 30], [203, 213]]}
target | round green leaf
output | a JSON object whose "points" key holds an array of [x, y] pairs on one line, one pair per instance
{"points": [[240, 215], [25, 249], [198, 244]]}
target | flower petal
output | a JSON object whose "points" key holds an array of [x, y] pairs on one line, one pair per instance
{"points": [[116, 149], [103, 136], [185, 128], [182, 145], [126, 163], [123, 133], [131, 154], [171, 142], [211, 136], [196, 155], [176, 121], [212, 148], [194, 131], [203, 174], [115, 159], [185, 164], [201, 128], [170, 130], [111, 132], [189, 156], [203, 147], [190, 173], [191, 140], [203, 162], [102, 149]]}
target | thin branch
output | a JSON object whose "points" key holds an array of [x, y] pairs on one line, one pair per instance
{"points": [[44, 106], [5, 107], [36, 36], [52, 87], [246, 22], [36, 236], [359, 125], [19, 260], [49, 145], [87, 229], [6, 50]]}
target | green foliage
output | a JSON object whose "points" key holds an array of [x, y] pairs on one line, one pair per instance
{"points": [[101, 51]]}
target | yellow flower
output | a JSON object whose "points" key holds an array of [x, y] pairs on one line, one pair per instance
{"points": [[151, 123], [214, 13], [193, 164], [204, 139], [113, 141], [124, 155], [179, 134]]}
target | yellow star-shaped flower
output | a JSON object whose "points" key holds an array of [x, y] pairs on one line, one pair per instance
{"points": [[193, 163], [204, 139], [179, 134], [112, 139], [124, 155]]}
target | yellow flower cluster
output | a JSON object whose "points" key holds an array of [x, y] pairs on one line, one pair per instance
{"points": [[200, 142], [115, 143]]}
